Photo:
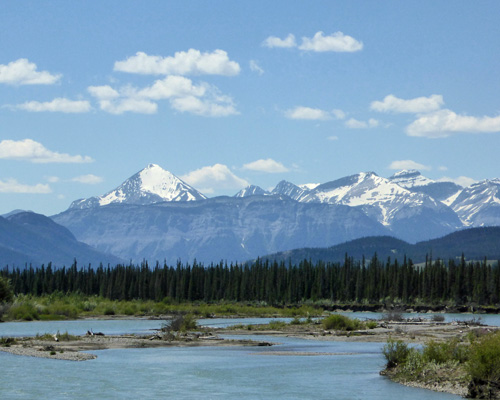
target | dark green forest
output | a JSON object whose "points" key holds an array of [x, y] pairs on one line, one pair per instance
{"points": [[456, 282]]}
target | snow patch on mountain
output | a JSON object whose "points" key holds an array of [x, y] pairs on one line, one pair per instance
{"points": [[479, 204], [252, 190]]}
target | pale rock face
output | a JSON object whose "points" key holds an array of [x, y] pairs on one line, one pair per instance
{"points": [[151, 185]]}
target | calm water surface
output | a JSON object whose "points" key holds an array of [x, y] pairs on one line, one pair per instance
{"points": [[202, 372]]}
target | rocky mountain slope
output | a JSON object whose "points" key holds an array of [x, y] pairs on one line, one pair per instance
{"points": [[26, 237]]}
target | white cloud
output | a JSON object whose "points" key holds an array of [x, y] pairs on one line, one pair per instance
{"points": [[221, 106], [307, 113], [57, 105], [335, 42], [356, 124], [442, 168], [53, 179], [333, 138], [408, 164], [339, 114], [183, 95], [105, 92], [269, 165], [445, 122], [273, 41], [255, 67], [139, 106], [213, 178], [23, 72], [172, 86], [89, 179], [418, 105], [29, 150], [13, 186], [463, 181], [191, 62]]}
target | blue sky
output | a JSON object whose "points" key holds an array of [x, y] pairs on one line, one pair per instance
{"points": [[229, 93]]}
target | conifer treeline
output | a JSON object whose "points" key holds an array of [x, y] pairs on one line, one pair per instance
{"points": [[458, 282]]}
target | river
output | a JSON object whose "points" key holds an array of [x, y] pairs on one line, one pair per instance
{"points": [[339, 370]]}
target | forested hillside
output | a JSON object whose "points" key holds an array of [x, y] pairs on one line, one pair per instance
{"points": [[377, 281]]}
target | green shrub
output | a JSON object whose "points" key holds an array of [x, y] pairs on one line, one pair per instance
{"points": [[109, 311], [180, 323], [371, 324], [341, 323], [484, 358], [441, 353], [24, 311], [395, 352], [414, 363], [276, 325]]}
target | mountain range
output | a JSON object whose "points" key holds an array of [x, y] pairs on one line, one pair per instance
{"points": [[156, 216]]}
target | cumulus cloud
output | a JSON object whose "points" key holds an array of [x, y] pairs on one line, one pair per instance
{"points": [[183, 95], [463, 181], [89, 179], [29, 150], [444, 123], [214, 178], [408, 164], [307, 113], [23, 72], [105, 92], [418, 105], [172, 86], [57, 105], [268, 165], [221, 106], [273, 41], [13, 186], [339, 114], [191, 62], [356, 124], [337, 42], [255, 67]]}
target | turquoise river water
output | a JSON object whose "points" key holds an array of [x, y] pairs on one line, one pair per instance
{"points": [[242, 373]]}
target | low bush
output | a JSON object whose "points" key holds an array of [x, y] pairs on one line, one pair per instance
{"points": [[180, 323], [395, 352], [276, 325], [24, 311], [484, 358], [371, 324], [341, 323]]}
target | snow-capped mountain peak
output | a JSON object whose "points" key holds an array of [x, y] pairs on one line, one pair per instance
{"points": [[151, 185]]}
